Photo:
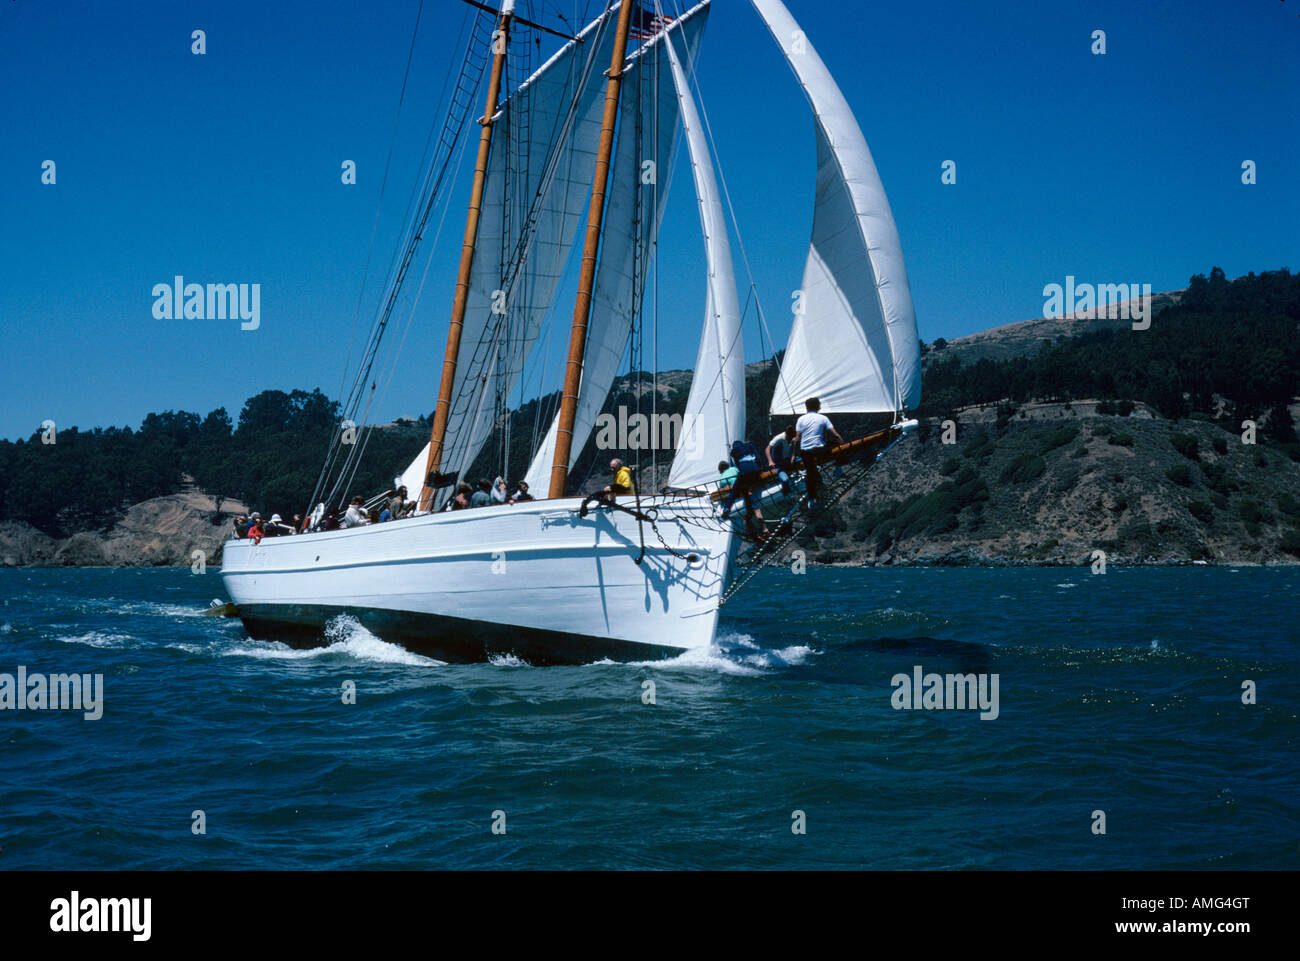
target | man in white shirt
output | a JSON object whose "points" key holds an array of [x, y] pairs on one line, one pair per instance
{"points": [[356, 515], [780, 454], [812, 431]]}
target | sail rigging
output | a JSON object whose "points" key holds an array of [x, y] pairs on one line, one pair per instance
{"points": [[649, 130], [537, 179], [854, 341]]}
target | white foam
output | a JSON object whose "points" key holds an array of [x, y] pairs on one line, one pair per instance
{"points": [[735, 654], [100, 639], [507, 660], [346, 637], [1068, 584]]}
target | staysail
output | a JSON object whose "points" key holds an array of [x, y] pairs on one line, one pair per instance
{"points": [[651, 103], [715, 408], [539, 172], [854, 343]]}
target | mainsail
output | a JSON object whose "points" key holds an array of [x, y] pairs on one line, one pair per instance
{"points": [[715, 408], [650, 105], [541, 163], [854, 343]]}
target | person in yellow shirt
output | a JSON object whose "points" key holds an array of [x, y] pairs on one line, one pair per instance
{"points": [[622, 478]]}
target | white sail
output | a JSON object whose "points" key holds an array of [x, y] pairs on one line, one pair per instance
{"points": [[648, 94], [854, 343], [544, 149], [715, 408]]}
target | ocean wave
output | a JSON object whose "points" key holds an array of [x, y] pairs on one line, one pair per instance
{"points": [[345, 636], [101, 639]]}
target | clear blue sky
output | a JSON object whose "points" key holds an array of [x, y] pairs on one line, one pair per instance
{"points": [[226, 168]]}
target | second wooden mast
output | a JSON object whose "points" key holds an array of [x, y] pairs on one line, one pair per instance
{"points": [[591, 249], [442, 412]]}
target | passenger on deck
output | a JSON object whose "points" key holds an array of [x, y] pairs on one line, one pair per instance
{"points": [[462, 498], [780, 454], [253, 518], [298, 527], [241, 527], [385, 515], [277, 527], [483, 496], [255, 530], [356, 515], [813, 430], [331, 521], [521, 494], [731, 477], [499, 493], [398, 505]]}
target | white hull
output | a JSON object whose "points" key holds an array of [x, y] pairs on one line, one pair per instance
{"points": [[530, 579]]}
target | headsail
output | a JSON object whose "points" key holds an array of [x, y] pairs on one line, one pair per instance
{"points": [[616, 299], [715, 408], [854, 342]]}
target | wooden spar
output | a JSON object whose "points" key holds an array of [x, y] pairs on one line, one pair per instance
{"points": [[586, 280], [860, 448], [443, 411]]}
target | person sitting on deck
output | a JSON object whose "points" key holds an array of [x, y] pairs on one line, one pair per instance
{"points": [[780, 454], [622, 477], [461, 501], [356, 515], [331, 521], [731, 476], [812, 430], [499, 493], [521, 493], [277, 527], [399, 505], [483, 496], [241, 527]]}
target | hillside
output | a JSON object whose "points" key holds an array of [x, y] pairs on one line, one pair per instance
{"points": [[1072, 436], [1053, 483]]}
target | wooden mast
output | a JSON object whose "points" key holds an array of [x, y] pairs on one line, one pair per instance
{"points": [[442, 412], [586, 280]]}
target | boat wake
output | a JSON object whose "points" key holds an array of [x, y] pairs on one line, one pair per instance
{"points": [[346, 638]]}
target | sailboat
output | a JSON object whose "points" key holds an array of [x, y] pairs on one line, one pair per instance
{"points": [[559, 580]]}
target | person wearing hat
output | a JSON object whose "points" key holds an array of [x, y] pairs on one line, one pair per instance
{"points": [[278, 528], [253, 518]]}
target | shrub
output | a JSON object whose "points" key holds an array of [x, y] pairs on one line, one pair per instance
{"points": [[1290, 541], [1060, 437], [1121, 440], [950, 466], [1186, 445], [1124, 408], [1250, 512], [1202, 511], [1220, 445], [1180, 474], [1023, 469]]}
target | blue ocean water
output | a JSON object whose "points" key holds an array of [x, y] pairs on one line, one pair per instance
{"points": [[1119, 693]]}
